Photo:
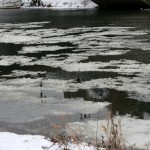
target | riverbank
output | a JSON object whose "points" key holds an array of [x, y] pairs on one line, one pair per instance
{"points": [[132, 132]]}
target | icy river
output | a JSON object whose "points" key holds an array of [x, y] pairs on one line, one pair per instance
{"points": [[73, 65]]}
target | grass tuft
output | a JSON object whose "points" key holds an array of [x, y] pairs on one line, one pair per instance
{"points": [[111, 140], [114, 139]]}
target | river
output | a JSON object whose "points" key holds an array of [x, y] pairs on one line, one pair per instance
{"points": [[44, 51]]}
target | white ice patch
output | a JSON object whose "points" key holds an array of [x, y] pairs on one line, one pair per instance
{"points": [[9, 60], [17, 39], [17, 33], [36, 49], [116, 52]]}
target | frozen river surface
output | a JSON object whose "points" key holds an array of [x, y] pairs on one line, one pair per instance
{"points": [[43, 52]]}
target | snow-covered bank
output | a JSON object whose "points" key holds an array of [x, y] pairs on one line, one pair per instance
{"points": [[135, 131], [11, 141], [63, 3]]}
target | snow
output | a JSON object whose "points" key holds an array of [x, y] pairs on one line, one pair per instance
{"points": [[136, 133], [64, 3], [11, 141]]}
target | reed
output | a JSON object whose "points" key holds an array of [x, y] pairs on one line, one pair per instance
{"points": [[111, 140], [114, 139]]}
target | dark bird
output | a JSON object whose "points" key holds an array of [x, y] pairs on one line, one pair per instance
{"points": [[78, 79]]}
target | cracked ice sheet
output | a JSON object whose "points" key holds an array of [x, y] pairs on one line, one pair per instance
{"points": [[85, 40], [123, 38], [22, 96], [55, 34], [72, 63], [29, 89], [22, 112], [138, 85], [16, 34], [135, 131]]}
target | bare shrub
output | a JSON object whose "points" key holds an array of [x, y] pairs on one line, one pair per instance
{"points": [[113, 134]]}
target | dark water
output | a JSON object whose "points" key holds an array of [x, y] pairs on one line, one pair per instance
{"points": [[78, 18], [122, 99]]}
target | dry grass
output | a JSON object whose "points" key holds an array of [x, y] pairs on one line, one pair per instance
{"points": [[62, 138], [114, 139]]}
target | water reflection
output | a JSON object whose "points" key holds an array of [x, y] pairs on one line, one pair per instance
{"points": [[120, 103]]}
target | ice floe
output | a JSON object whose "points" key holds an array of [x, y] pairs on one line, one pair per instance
{"points": [[16, 39], [37, 49], [7, 60]]}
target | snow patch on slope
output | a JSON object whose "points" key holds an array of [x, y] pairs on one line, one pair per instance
{"points": [[65, 3]]}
